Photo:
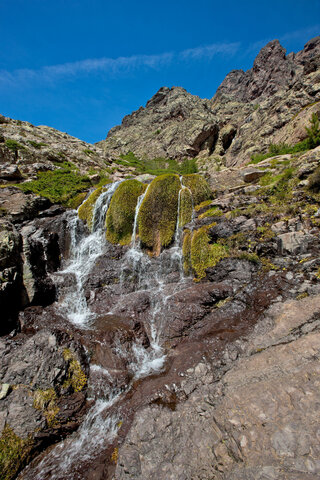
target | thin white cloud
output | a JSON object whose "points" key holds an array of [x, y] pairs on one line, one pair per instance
{"points": [[208, 51], [114, 65]]}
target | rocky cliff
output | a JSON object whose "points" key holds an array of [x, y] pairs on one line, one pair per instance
{"points": [[267, 104]]}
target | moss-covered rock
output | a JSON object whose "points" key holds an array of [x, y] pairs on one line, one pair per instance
{"points": [[14, 453], [203, 254], [186, 251], [46, 401], [186, 207], [120, 215], [199, 188], [85, 211], [77, 379], [158, 212]]}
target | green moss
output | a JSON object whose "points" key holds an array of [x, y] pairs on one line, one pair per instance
{"points": [[186, 207], [76, 377], [158, 212], [14, 145], [60, 186], [14, 453], [85, 211], [199, 188], [204, 254], [120, 215], [204, 204], [37, 145], [76, 201], [46, 401], [186, 251], [212, 212]]}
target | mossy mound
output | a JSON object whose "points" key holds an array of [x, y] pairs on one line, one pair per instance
{"points": [[186, 207], [14, 453], [203, 254], [85, 211], [158, 212], [186, 251], [199, 188], [120, 215]]}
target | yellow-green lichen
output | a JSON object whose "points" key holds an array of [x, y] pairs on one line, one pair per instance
{"points": [[76, 201], [201, 205], [212, 212], [85, 211], [120, 215], [186, 207], [14, 453], [76, 378], [186, 251], [158, 212], [46, 401], [199, 187], [204, 254]]}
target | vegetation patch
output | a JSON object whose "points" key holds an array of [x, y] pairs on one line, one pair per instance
{"points": [[46, 401], [14, 453], [186, 251], [60, 185], [158, 166], [85, 211], [121, 212], [204, 254], [158, 212], [312, 141], [37, 145], [14, 145], [76, 377], [198, 186], [186, 207], [212, 212]]}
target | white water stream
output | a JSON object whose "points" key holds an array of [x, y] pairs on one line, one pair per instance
{"points": [[99, 428]]}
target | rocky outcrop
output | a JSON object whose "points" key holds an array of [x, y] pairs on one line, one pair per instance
{"points": [[43, 390], [174, 124], [270, 103], [246, 418]]}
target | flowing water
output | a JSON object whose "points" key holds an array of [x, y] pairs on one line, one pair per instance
{"points": [[150, 275]]}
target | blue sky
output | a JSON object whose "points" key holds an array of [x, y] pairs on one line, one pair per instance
{"points": [[80, 66]]}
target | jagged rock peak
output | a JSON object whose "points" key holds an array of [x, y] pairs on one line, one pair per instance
{"points": [[174, 123], [272, 70]]}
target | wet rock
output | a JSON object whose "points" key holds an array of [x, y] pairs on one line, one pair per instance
{"points": [[251, 419]]}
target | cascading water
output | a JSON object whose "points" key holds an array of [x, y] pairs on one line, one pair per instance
{"points": [[151, 276], [84, 252]]}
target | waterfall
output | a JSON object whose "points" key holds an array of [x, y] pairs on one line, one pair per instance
{"points": [[160, 278], [84, 252]]}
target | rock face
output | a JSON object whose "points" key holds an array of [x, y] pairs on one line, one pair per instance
{"points": [[249, 422], [174, 124], [266, 104]]}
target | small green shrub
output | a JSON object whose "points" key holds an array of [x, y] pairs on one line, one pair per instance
{"points": [[37, 145], [85, 211], [14, 145], [313, 131], [88, 152], [60, 185]]}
